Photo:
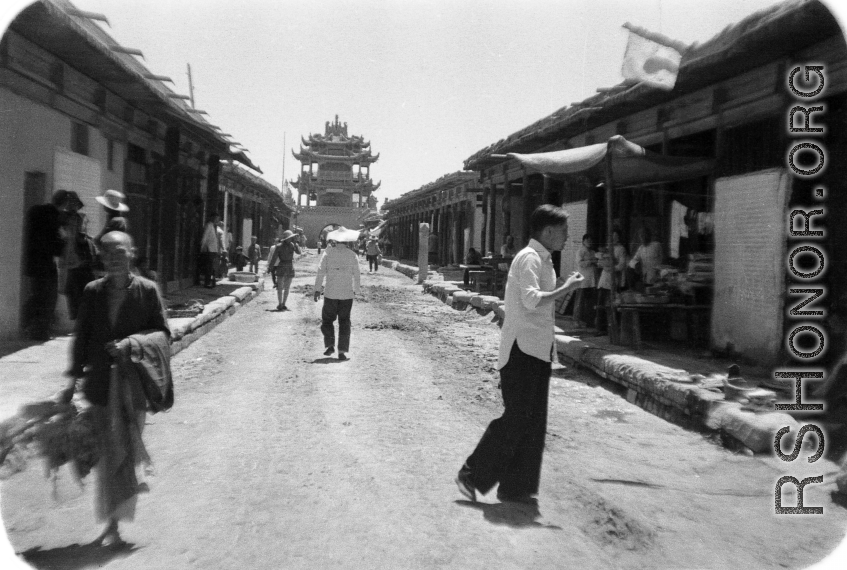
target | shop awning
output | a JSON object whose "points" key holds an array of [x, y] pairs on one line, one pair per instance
{"points": [[619, 163], [631, 164]]}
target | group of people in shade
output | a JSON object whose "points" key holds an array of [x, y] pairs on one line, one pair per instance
{"points": [[592, 298], [215, 258], [60, 256]]}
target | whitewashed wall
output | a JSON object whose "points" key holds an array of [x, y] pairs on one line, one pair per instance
{"points": [[750, 238]]}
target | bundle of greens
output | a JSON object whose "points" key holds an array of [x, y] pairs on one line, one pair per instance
{"points": [[59, 433]]}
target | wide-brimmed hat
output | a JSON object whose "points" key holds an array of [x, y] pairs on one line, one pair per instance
{"points": [[287, 234], [342, 234], [113, 200], [73, 199]]}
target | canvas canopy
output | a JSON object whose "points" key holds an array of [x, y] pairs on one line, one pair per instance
{"points": [[620, 163], [631, 164]]}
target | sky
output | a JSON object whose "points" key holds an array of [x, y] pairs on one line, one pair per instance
{"points": [[428, 82]]}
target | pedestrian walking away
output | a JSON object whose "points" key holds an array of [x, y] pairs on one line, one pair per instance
{"points": [[271, 258], [373, 253], [283, 262], [339, 265], [512, 446], [254, 253], [122, 338]]}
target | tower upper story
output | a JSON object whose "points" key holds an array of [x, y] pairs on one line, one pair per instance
{"points": [[335, 167]]}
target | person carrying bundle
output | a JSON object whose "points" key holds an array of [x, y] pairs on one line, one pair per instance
{"points": [[121, 351]]}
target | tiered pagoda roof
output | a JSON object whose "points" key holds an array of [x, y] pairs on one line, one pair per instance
{"points": [[335, 152], [350, 156], [335, 146]]}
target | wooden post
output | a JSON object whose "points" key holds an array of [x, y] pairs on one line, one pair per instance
{"points": [[507, 206], [483, 230], [492, 220], [610, 316], [169, 207], [423, 251]]}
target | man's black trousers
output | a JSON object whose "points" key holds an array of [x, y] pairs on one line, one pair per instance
{"points": [[209, 261], [511, 448], [339, 308]]}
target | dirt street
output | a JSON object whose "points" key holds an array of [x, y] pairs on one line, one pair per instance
{"points": [[275, 456]]}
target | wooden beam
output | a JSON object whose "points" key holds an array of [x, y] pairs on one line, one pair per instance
{"points": [[130, 51], [90, 15], [163, 78]]}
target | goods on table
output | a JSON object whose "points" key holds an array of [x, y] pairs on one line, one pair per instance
{"points": [[701, 268]]}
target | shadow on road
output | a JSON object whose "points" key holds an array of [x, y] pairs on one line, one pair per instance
{"points": [[838, 499], [76, 557], [327, 360], [516, 515]]}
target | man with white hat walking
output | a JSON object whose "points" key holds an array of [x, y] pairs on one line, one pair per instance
{"points": [[340, 266]]}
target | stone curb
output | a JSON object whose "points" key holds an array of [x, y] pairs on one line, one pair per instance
{"points": [[659, 390], [214, 313], [407, 270], [663, 391]]}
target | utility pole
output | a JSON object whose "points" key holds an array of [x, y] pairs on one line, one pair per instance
{"points": [[190, 86], [283, 163]]}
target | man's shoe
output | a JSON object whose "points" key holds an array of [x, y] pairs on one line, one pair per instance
{"points": [[329, 351], [280, 307], [342, 356], [466, 488]]}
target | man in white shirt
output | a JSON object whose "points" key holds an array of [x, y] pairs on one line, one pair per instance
{"points": [[649, 255], [340, 266], [209, 250], [510, 450]]}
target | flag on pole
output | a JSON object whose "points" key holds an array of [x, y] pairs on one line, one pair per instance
{"points": [[379, 227], [651, 58]]}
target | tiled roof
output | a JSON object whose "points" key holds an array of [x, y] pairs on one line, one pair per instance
{"points": [[763, 36], [59, 27]]}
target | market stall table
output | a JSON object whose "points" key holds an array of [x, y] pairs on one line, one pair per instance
{"points": [[468, 268], [630, 323]]}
